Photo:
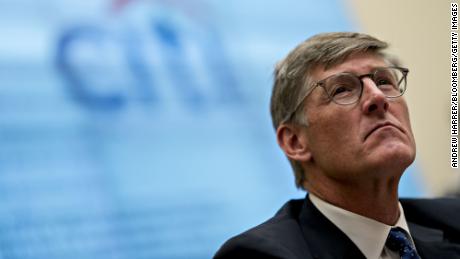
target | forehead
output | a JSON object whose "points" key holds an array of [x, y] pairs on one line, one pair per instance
{"points": [[360, 63]]}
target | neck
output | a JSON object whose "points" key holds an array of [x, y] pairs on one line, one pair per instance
{"points": [[375, 199]]}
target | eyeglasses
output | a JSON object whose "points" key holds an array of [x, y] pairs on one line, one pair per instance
{"points": [[347, 88]]}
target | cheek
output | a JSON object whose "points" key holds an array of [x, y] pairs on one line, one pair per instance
{"points": [[402, 115], [330, 131]]}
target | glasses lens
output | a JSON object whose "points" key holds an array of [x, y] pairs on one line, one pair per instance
{"points": [[343, 88], [390, 81]]}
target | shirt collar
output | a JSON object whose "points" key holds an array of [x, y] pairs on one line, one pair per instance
{"points": [[367, 234]]}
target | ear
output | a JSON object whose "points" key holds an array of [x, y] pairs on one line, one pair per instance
{"points": [[294, 142]]}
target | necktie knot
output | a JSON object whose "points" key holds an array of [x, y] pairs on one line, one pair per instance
{"points": [[398, 240]]}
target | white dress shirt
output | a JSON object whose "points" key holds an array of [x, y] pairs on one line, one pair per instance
{"points": [[367, 234]]}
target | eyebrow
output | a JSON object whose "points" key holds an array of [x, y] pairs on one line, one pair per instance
{"points": [[373, 68]]}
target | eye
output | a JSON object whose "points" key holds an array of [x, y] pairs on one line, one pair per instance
{"points": [[341, 90], [384, 81], [385, 78], [387, 85]]}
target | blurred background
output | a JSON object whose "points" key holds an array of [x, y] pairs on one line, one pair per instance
{"points": [[141, 128]]}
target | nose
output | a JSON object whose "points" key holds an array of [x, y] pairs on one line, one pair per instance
{"points": [[373, 99]]}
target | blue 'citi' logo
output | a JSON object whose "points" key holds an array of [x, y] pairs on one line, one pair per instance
{"points": [[105, 70]]}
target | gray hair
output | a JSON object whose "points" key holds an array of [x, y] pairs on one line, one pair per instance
{"points": [[292, 75]]}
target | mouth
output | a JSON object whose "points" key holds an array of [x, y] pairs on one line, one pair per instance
{"points": [[382, 125]]}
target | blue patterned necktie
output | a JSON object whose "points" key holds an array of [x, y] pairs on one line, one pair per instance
{"points": [[398, 240]]}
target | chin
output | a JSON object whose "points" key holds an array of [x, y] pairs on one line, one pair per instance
{"points": [[395, 155]]}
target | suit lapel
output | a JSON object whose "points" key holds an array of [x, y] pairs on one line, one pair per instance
{"points": [[430, 243], [324, 239], [434, 226]]}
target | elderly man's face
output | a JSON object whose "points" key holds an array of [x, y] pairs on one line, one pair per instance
{"points": [[371, 138]]}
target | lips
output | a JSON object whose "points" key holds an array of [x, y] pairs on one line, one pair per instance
{"points": [[380, 125]]}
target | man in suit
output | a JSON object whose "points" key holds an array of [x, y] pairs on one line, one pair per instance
{"points": [[340, 118]]}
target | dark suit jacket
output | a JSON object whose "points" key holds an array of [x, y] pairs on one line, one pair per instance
{"points": [[299, 230]]}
